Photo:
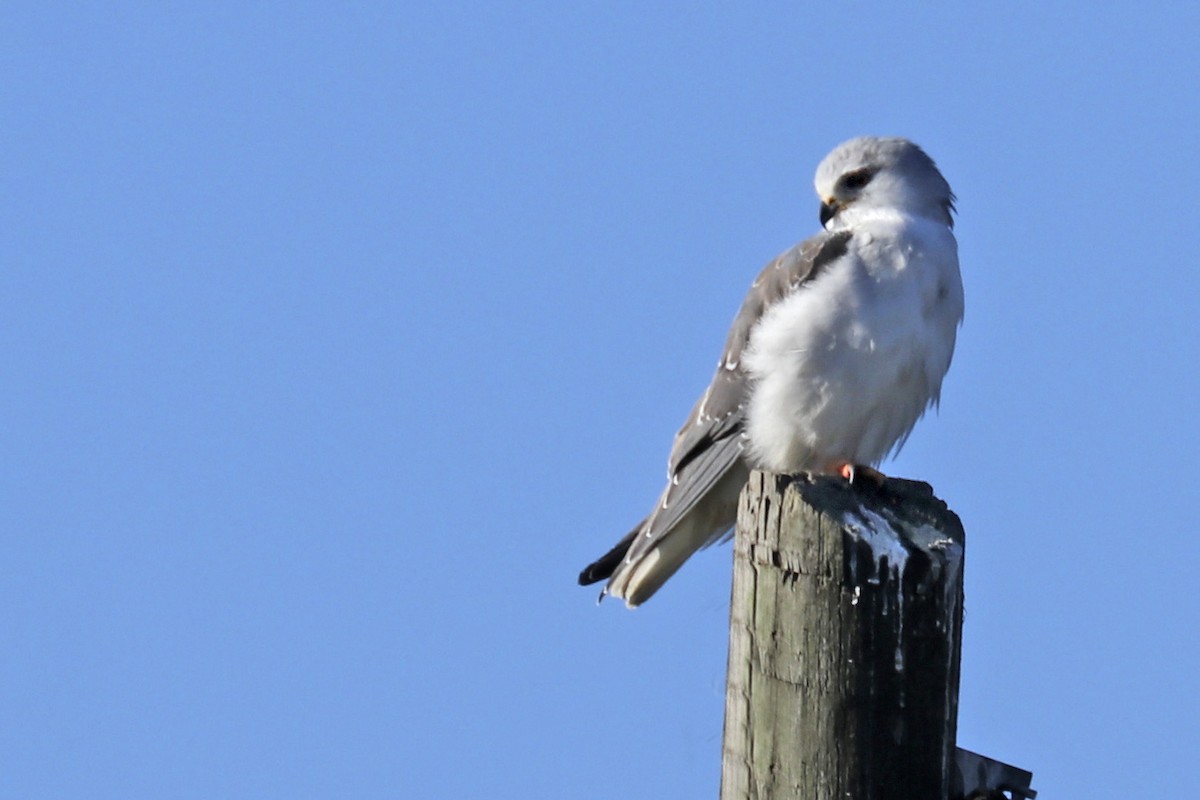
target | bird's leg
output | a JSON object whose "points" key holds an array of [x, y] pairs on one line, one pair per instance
{"points": [[853, 472]]}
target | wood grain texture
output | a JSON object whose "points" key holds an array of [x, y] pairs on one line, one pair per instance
{"points": [[845, 632]]}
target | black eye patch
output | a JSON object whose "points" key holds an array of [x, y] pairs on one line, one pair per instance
{"points": [[853, 181]]}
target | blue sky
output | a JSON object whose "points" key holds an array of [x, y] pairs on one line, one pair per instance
{"points": [[335, 342]]}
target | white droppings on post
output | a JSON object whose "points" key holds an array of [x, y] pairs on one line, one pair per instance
{"points": [[887, 552], [884, 541]]}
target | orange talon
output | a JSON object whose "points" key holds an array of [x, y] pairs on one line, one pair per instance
{"points": [[852, 472]]}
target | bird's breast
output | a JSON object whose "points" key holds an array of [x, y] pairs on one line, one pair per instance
{"points": [[841, 369]]}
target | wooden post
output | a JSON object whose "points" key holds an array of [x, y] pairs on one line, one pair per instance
{"points": [[845, 633]]}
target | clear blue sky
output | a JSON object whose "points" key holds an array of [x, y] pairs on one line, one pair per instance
{"points": [[334, 343]]}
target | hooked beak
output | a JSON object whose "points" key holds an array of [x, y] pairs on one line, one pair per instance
{"points": [[829, 209]]}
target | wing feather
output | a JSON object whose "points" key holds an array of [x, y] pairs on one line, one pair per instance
{"points": [[710, 442]]}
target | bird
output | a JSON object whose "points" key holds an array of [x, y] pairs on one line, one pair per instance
{"points": [[839, 347]]}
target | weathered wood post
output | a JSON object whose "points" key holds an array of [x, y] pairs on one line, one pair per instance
{"points": [[845, 634]]}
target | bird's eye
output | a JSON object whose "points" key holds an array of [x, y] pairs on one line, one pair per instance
{"points": [[853, 181]]}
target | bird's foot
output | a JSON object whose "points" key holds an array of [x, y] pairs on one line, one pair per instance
{"points": [[861, 472]]}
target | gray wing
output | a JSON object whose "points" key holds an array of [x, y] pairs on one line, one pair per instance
{"points": [[710, 443]]}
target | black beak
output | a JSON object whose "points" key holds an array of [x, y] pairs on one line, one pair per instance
{"points": [[828, 211]]}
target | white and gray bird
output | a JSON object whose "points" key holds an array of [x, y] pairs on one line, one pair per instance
{"points": [[838, 349]]}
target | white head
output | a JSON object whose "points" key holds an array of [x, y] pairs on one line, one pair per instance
{"points": [[873, 174]]}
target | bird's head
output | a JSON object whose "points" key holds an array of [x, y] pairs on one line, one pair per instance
{"points": [[875, 174]]}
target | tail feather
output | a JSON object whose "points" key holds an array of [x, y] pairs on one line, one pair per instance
{"points": [[602, 568], [638, 579], [651, 553]]}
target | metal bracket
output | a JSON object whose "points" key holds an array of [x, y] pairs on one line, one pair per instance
{"points": [[983, 778]]}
